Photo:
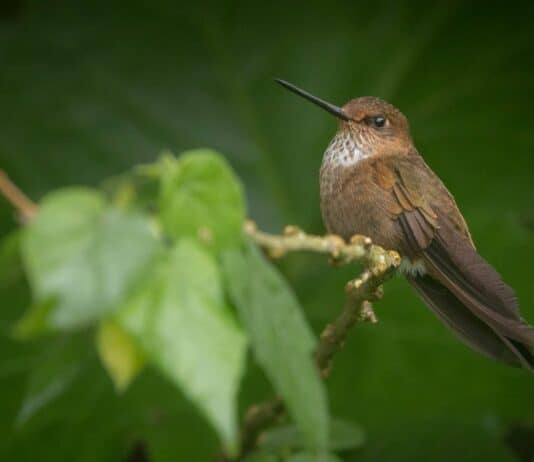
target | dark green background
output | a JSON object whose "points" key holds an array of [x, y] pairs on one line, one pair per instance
{"points": [[87, 89]]}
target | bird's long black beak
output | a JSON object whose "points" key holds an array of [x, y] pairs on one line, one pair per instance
{"points": [[337, 111]]}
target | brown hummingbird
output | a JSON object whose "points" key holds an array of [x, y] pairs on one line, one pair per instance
{"points": [[374, 182]]}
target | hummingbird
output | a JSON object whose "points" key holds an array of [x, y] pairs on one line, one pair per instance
{"points": [[374, 182]]}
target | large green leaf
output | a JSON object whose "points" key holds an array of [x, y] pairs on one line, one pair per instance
{"points": [[84, 255], [201, 197], [185, 327], [281, 339]]}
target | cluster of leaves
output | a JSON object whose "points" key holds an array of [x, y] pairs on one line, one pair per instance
{"points": [[172, 282]]}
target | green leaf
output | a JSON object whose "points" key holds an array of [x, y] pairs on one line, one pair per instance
{"points": [[85, 255], [10, 259], [343, 436], [181, 320], [281, 339], [201, 197], [119, 354], [54, 373]]}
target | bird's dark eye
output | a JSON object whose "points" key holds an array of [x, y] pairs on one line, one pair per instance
{"points": [[376, 121]]}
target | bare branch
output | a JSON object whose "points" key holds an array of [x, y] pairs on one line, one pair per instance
{"points": [[360, 248], [257, 418], [359, 294], [24, 206]]}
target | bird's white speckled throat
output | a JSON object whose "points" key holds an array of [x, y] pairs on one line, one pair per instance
{"points": [[343, 150]]}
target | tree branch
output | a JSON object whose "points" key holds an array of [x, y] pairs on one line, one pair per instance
{"points": [[379, 265], [360, 248], [24, 206], [359, 294]]}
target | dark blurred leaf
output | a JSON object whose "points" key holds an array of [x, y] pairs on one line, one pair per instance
{"points": [[55, 371], [201, 197], [10, 10], [10, 258], [281, 339], [343, 436], [181, 320], [520, 439], [85, 255], [119, 354], [138, 453]]}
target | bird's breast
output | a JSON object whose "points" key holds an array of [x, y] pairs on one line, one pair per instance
{"points": [[352, 202], [340, 159]]}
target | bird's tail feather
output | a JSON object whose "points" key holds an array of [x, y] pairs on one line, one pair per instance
{"points": [[481, 335]]}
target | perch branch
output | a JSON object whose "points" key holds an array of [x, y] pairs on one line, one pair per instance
{"points": [[379, 265], [359, 294], [360, 248], [24, 206]]}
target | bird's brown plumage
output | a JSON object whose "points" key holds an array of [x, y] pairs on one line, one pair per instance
{"points": [[396, 199]]}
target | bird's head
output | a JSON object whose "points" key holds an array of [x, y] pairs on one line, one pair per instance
{"points": [[368, 126]]}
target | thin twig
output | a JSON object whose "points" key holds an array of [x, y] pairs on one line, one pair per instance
{"points": [[380, 265], [256, 419], [24, 206], [359, 294]]}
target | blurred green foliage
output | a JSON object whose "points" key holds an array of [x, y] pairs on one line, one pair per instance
{"points": [[159, 286], [83, 254], [87, 89]]}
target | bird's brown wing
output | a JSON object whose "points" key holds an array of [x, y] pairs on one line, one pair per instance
{"points": [[434, 230]]}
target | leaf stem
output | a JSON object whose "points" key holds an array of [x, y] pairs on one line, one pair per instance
{"points": [[25, 207]]}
